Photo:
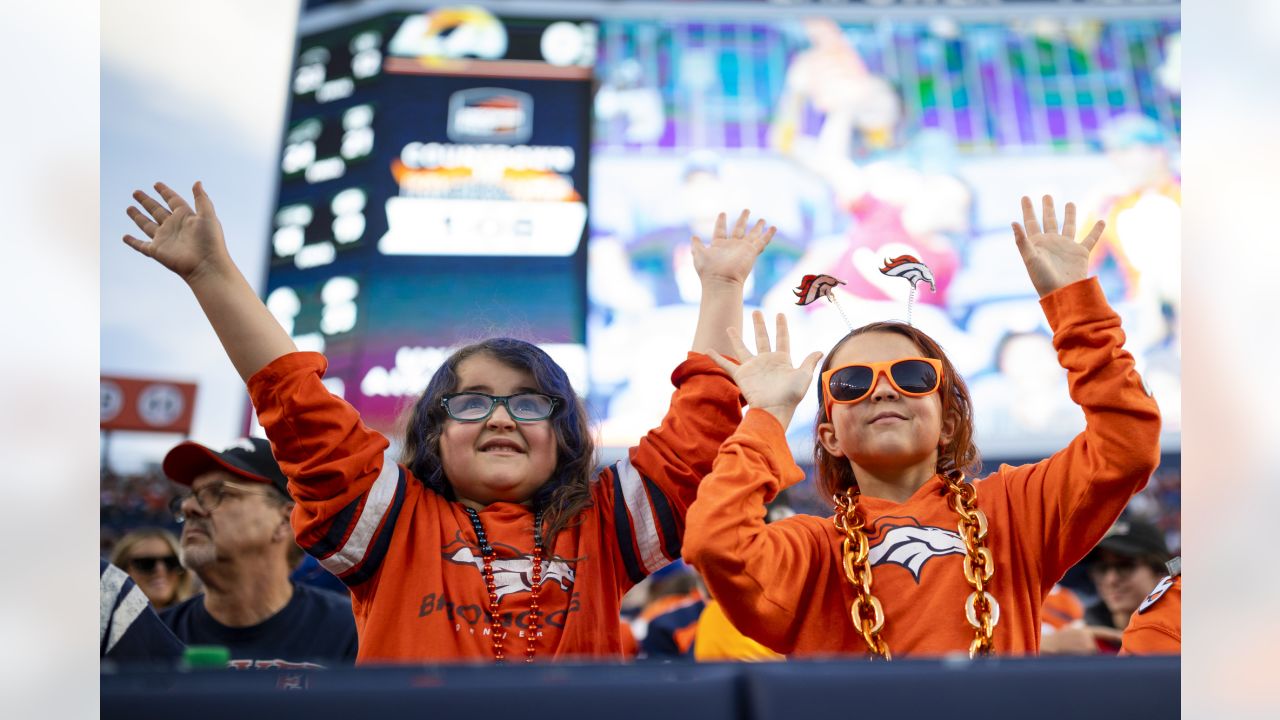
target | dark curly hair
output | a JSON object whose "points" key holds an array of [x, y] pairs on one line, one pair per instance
{"points": [[958, 454], [568, 490]]}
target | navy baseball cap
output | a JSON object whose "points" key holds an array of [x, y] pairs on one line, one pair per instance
{"points": [[248, 458]]}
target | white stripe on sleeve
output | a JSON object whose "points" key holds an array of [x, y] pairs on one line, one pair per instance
{"points": [[130, 608], [642, 520], [375, 507], [112, 579]]}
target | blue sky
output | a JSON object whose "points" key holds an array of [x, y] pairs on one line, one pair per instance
{"points": [[193, 94]]}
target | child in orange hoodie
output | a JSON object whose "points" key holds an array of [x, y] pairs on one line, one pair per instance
{"points": [[490, 536], [918, 560]]}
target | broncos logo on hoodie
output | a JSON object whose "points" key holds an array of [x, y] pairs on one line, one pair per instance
{"points": [[904, 541], [511, 574]]}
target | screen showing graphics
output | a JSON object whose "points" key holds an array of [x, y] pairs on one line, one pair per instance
{"points": [[453, 174], [865, 142], [433, 191]]}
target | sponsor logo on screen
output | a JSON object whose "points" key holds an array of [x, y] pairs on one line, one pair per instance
{"points": [[490, 115]]}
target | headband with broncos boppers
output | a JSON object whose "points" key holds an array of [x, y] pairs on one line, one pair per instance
{"points": [[907, 266], [813, 287]]}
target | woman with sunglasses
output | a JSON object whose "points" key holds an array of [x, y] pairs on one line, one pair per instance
{"points": [[150, 556], [918, 559]]}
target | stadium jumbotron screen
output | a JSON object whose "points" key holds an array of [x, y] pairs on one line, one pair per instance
{"points": [[447, 179]]}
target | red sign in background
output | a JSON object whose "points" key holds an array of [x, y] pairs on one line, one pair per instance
{"points": [[146, 405]]}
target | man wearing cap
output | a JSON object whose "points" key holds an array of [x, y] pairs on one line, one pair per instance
{"points": [[237, 539], [1125, 567]]}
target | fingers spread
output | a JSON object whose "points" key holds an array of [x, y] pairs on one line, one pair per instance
{"points": [[1020, 239], [1050, 217], [1029, 217], [139, 245], [784, 336], [740, 227], [810, 364], [158, 211], [143, 222], [740, 349], [762, 333], [174, 200], [697, 250], [204, 205], [768, 237], [1019, 235], [1069, 221], [1092, 238], [724, 364]]}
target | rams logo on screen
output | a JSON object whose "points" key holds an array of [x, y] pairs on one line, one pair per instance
{"points": [[490, 115]]}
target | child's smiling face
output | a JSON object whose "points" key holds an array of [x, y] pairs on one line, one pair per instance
{"points": [[887, 432], [496, 459]]}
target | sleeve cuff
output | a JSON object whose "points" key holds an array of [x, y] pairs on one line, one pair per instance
{"points": [[770, 440], [1082, 301], [699, 364], [284, 366]]}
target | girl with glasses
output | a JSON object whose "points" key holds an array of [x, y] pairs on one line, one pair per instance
{"points": [[150, 556], [919, 559], [490, 535]]}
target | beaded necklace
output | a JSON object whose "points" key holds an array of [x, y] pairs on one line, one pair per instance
{"points": [[498, 634]]}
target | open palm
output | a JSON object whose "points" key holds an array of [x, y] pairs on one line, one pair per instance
{"points": [[767, 379], [1054, 259], [183, 239], [730, 256]]}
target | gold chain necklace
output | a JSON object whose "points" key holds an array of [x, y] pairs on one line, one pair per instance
{"points": [[980, 609]]}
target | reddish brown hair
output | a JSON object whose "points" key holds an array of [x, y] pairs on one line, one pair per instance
{"points": [[958, 454]]}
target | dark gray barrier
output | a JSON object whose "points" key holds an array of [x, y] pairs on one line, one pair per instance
{"points": [[545, 692], [1044, 689], [1047, 689]]}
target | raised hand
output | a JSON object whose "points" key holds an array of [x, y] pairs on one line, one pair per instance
{"points": [[1053, 259], [730, 257], [184, 240], [767, 379]]}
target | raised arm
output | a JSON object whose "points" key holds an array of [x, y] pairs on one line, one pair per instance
{"points": [[346, 483], [760, 573], [1066, 502], [650, 491], [723, 267], [189, 242]]}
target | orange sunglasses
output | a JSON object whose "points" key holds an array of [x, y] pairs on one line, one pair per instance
{"points": [[850, 384]]}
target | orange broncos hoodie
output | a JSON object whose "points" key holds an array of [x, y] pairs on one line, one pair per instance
{"points": [[783, 584], [410, 557]]}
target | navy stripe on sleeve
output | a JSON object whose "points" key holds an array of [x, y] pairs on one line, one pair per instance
{"points": [[332, 540], [666, 519], [622, 526], [378, 548]]}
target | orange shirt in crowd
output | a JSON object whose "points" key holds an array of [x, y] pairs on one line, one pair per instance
{"points": [[411, 559], [1062, 608], [1156, 627], [783, 584]]}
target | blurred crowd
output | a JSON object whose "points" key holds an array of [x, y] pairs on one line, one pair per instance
{"points": [[670, 615]]}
